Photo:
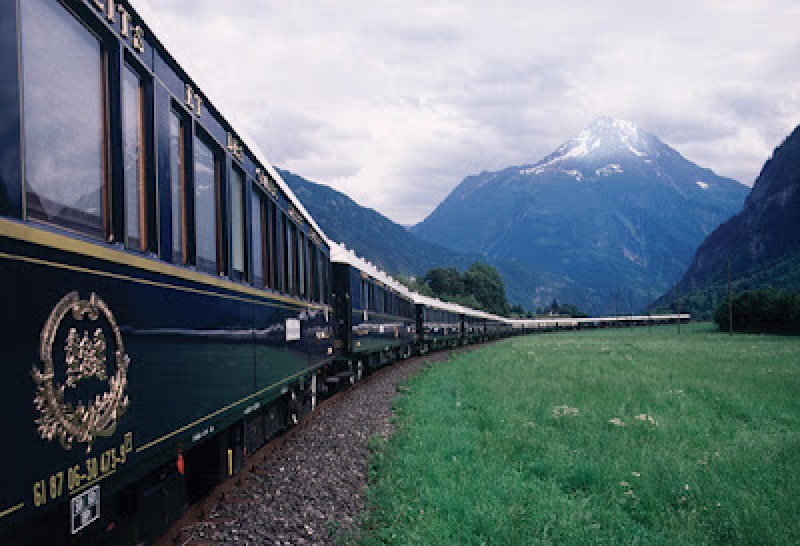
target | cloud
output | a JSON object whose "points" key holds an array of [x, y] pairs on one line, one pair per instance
{"points": [[395, 102]]}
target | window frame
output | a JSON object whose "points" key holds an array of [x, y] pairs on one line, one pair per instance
{"points": [[130, 65], [238, 176], [302, 272], [108, 49], [258, 224], [185, 180], [272, 245], [294, 256], [202, 137], [285, 259]]}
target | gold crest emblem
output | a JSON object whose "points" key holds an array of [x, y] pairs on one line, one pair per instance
{"points": [[84, 358]]}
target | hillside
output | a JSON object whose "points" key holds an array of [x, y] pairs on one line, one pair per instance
{"points": [[762, 241], [397, 251], [369, 233]]}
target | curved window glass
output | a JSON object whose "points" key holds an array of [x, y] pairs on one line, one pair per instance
{"points": [[313, 290], [295, 257], [257, 238], [63, 82], [176, 166], [284, 261], [273, 266], [301, 263], [205, 206], [237, 224], [133, 160]]}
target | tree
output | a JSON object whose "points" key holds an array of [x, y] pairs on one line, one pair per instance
{"points": [[485, 283], [767, 311], [518, 311], [445, 281], [417, 285], [570, 310], [480, 287]]}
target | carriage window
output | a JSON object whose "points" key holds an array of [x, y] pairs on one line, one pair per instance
{"points": [[205, 206], [288, 255], [364, 294], [294, 258], [313, 268], [272, 245], [177, 185], [326, 285], [257, 237], [63, 83], [133, 160], [321, 276], [301, 262], [237, 224]]}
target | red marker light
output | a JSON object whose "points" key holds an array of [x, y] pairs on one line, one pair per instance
{"points": [[179, 463]]}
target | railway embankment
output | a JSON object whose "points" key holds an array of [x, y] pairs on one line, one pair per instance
{"points": [[306, 487]]}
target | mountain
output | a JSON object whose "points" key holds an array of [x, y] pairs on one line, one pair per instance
{"points": [[614, 209], [762, 241], [393, 248], [388, 245]]}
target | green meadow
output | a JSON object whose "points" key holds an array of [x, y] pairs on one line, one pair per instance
{"points": [[624, 436]]}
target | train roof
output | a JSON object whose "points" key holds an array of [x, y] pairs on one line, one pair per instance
{"points": [[590, 320], [341, 254], [436, 303]]}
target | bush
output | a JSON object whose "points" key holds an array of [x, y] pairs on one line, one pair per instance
{"points": [[762, 311]]}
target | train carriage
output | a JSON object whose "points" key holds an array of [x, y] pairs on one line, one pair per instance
{"points": [[474, 325], [498, 327], [167, 297], [375, 315], [439, 323]]}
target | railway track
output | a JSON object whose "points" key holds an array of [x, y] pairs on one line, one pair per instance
{"points": [[305, 486]]}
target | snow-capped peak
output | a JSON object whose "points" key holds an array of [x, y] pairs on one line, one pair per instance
{"points": [[604, 137]]}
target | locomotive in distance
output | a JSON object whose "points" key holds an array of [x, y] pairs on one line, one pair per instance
{"points": [[172, 305]]}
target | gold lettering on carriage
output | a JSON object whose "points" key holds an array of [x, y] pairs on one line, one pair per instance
{"points": [[84, 359], [110, 9]]}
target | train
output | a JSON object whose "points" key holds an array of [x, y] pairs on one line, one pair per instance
{"points": [[170, 304]]}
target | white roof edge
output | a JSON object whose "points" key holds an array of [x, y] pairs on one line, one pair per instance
{"points": [[341, 254], [620, 318]]}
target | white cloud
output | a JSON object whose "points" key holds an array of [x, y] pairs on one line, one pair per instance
{"points": [[394, 102]]}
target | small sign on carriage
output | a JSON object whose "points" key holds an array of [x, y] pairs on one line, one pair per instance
{"points": [[85, 509]]}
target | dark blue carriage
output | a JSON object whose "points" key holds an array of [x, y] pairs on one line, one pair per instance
{"points": [[440, 324], [167, 297], [376, 321]]}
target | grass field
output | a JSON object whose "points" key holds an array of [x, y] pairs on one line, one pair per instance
{"points": [[617, 436]]}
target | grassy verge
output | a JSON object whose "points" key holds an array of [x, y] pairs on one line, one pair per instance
{"points": [[616, 436]]}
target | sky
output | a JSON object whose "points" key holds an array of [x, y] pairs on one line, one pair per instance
{"points": [[394, 102]]}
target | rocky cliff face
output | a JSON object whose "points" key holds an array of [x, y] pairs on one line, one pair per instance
{"points": [[766, 229]]}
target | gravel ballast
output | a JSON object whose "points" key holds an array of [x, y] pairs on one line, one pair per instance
{"points": [[311, 488]]}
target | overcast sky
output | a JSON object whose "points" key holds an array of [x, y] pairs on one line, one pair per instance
{"points": [[394, 102]]}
